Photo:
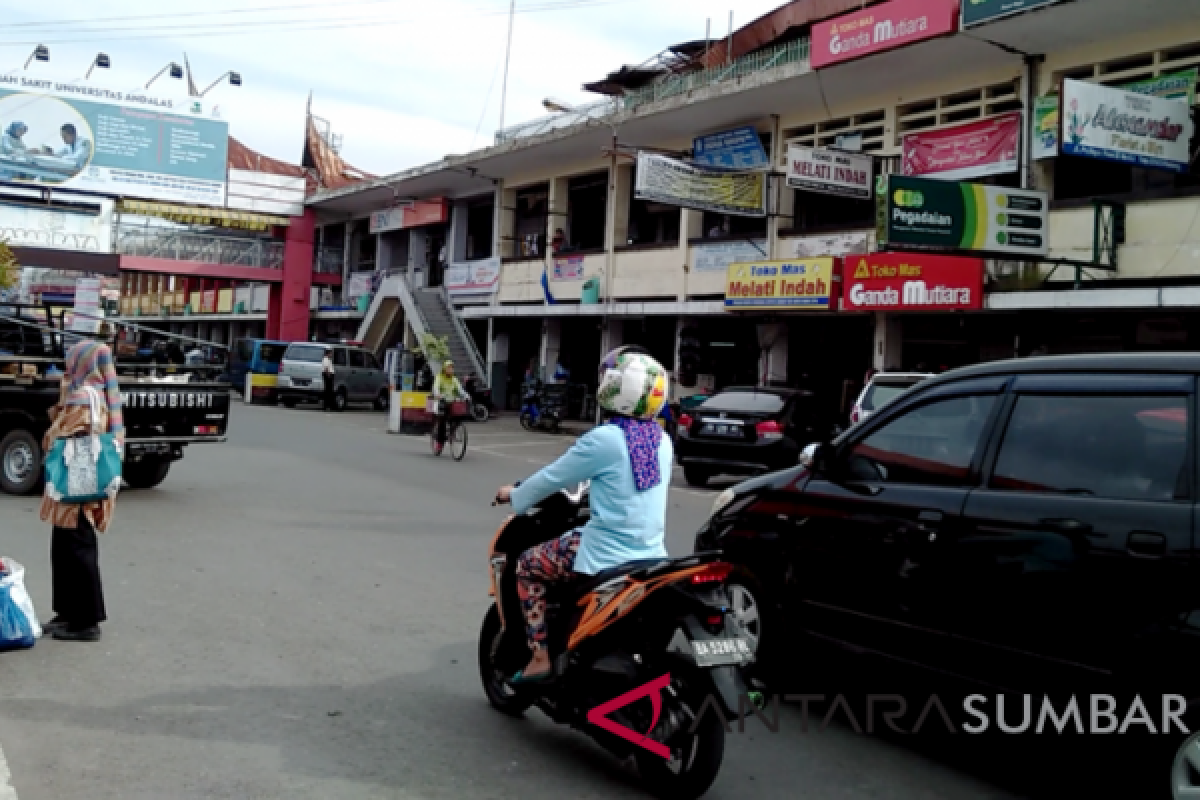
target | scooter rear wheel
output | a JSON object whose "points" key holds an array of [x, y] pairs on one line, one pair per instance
{"points": [[693, 766], [480, 412], [504, 697], [527, 421]]}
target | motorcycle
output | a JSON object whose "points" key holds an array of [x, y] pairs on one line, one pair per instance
{"points": [[482, 406], [539, 410], [639, 652]]}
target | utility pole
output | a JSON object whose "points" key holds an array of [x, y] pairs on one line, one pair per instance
{"points": [[512, 11]]}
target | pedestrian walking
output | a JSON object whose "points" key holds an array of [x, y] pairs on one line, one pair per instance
{"points": [[77, 594], [327, 375]]}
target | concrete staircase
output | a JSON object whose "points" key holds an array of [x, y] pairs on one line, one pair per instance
{"points": [[440, 320]]}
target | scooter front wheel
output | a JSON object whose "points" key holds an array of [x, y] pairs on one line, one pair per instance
{"points": [[504, 697], [527, 421]]}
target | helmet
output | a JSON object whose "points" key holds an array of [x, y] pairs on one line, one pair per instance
{"points": [[632, 383]]}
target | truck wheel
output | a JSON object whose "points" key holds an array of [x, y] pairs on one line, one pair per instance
{"points": [[381, 401], [288, 402], [147, 473], [20, 462]]}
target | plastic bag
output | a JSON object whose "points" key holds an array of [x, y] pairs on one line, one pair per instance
{"points": [[19, 625]]}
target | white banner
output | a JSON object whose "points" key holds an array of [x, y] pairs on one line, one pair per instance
{"points": [[359, 284], [58, 228], [830, 172], [716, 257], [473, 277], [833, 244], [1118, 125], [87, 302]]}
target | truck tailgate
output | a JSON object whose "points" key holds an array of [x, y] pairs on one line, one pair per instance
{"points": [[182, 411]]}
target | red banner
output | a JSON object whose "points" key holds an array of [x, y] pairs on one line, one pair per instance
{"points": [[912, 282], [967, 151], [879, 28]]}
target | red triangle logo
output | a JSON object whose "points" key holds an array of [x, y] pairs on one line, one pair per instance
{"points": [[598, 715]]}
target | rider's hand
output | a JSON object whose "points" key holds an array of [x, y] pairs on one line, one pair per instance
{"points": [[504, 495]]}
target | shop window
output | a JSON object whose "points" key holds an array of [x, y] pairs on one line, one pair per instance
{"points": [[829, 212], [529, 221], [587, 202], [867, 128], [481, 214], [957, 108], [732, 226], [650, 222]]}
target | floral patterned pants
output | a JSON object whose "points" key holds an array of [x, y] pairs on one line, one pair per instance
{"points": [[550, 561]]}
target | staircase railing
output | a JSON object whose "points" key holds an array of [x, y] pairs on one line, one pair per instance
{"points": [[395, 285], [467, 340]]}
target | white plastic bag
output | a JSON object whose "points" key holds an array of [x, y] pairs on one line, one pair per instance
{"points": [[12, 577]]}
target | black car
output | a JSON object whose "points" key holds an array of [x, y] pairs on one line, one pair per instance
{"points": [[1023, 523], [746, 430]]}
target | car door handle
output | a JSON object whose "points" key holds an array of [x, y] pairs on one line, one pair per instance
{"points": [[1146, 544], [930, 518], [864, 488], [1067, 526]]}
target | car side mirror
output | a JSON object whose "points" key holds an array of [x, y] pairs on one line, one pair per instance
{"points": [[815, 457]]}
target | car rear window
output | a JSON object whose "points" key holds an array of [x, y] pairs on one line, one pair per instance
{"points": [[751, 402], [304, 352], [880, 394]]}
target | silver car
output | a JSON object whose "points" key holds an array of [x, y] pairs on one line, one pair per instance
{"points": [[358, 378]]}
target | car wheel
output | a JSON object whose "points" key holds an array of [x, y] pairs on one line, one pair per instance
{"points": [[756, 618], [340, 400], [20, 462], [381, 402], [695, 476], [288, 402]]}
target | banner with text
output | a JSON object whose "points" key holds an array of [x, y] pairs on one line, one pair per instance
{"points": [[473, 277], [912, 282], [799, 285], [962, 216], [717, 256], [23, 224], [829, 172], [668, 180], [879, 28], [977, 12], [987, 147], [1128, 127], [114, 143]]}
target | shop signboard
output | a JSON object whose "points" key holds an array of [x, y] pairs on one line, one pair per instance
{"points": [[739, 148], [973, 150], [208, 301], [717, 256], [473, 277], [798, 285], [1172, 86], [1119, 125], [568, 268], [86, 306], [830, 172], [912, 282], [830, 244], [115, 143], [977, 12], [662, 179], [882, 27], [434, 211], [360, 284], [948, 215], [23, 224]]}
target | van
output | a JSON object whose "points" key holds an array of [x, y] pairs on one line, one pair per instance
{"points": [[257, 356], [358, 377]]}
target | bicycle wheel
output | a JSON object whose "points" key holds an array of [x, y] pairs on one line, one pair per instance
{"points": [[458, 442]]}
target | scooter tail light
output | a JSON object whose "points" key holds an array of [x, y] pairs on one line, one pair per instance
{"points": [[717, 572]]}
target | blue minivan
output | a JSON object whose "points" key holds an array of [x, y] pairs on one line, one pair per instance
{"points": [[260, 356]]}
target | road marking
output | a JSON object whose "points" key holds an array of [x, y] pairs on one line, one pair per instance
{"points": [[7, 792]]}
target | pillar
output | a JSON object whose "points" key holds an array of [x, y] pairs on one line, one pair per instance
{"points": [[551, 346], [888, 352], [504, 227], [457, 244], [622, 199], [287, 306], [773, 353]]}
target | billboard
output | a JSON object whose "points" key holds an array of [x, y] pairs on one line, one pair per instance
{"points": [[797, 285], [912, 282], [111, 143], [668, 180], [1124, 126], [879, 28], [962, 216]]}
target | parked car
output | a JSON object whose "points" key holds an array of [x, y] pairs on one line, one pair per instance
{"points": [[1022, 524], [259, 356], [358, 379], [883, 388], [746, 430]]}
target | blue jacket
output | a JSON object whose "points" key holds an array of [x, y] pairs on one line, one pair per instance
{"points": [[626, 524]]}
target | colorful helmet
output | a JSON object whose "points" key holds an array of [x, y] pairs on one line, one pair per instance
{"points": [[632, 383]]}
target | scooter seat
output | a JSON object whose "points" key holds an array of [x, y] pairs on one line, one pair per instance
{"points": [[580, 586]]}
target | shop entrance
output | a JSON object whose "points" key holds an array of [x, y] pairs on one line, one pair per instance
{"points": [[523, 336], [829, 355]]}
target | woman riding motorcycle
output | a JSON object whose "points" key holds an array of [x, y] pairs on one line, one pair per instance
{"points": [[628, 461]]}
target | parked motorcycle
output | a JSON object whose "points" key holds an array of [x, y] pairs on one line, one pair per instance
{"points": [[542, 406], [482, 406], [640, 652]]}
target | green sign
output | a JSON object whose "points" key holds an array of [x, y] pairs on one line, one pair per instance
{"points": [[945, 215], [977, 12]]}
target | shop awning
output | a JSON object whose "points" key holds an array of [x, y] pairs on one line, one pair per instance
{"points": [[199, 215]]}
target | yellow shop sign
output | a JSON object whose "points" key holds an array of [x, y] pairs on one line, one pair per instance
{"points": [[800, 285]]}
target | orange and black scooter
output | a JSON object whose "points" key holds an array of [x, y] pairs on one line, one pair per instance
{"points": [[640, 652]]}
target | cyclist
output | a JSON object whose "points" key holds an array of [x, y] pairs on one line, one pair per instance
{"points": [[447, 389]]}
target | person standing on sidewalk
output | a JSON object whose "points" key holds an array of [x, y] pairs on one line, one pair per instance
{"points": [[328, 373], [78, 596]]}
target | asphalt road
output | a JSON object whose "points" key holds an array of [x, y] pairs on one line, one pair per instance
{"points": [[294, 615]]}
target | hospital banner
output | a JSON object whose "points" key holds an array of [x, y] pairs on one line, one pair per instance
{"points": [[662, 179], [116, 143]]}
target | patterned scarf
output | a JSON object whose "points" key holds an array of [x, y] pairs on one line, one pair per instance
{"points": [[642, 437], [90, 363]]}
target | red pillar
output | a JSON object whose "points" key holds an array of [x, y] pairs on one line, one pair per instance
{"points": [[287, 308]]}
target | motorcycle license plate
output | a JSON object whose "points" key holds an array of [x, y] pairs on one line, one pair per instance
{"points": [[718, 652]]}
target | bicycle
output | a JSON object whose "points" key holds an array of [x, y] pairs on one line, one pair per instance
{"points": [[456, 431]]}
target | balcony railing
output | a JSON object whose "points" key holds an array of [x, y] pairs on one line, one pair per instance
{"points": [[566, 119], [329, 261], [151, 242], [794, 52]]}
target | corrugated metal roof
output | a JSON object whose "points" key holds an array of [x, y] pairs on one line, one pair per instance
{"points": [[332, 171]]}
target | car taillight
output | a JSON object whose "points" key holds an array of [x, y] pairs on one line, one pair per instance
{"points": [[854, 414], [715, 572], [769, 430], [207, 430], [685, 421]]}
